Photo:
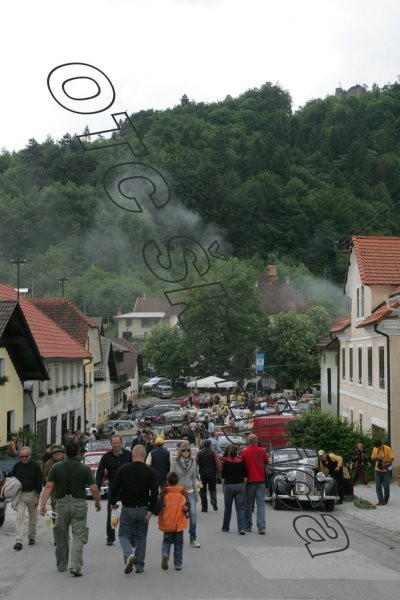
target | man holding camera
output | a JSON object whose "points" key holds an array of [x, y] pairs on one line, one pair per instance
{"points": [[382, 456]]}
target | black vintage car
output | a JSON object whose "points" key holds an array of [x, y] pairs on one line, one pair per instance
{"points": [[293, 478]]}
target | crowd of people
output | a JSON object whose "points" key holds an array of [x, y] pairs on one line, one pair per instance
{"points": [[147, 482]]}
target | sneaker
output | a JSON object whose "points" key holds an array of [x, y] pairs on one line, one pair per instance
{"points": [[261, 531], [164, 562], [31, 542], [226, 530], [248, 530], [195, 544], [139, 570], [76, 572], [215, 506], [178, 567], [242, 532], [130, 561], [18, 546], [110, 542]]}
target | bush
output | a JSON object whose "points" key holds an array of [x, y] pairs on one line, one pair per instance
{"points": [[323, 430]]}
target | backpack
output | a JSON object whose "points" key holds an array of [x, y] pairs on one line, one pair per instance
{"points": [[11, 489]]}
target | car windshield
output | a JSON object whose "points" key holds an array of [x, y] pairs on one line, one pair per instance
{"points": [[300, 455], [92, 459]]}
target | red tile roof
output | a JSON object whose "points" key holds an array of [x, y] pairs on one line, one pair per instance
{"points": [[52, 341], [378, 259], [381, 312], [67, 316], [279, 296], [340, 324]]}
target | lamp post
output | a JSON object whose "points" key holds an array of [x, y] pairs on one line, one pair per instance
{"points": [[18, 261], [62, 280]]}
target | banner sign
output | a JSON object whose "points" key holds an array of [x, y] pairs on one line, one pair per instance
{"points": [[259, 362]]}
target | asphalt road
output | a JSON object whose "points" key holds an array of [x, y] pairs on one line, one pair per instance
{"points": [[304, 555]]}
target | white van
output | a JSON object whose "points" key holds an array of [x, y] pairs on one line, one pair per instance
{"points": [[162, 391]]}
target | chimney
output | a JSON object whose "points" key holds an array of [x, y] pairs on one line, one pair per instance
{"points": [[272, 273], [119, 311]]}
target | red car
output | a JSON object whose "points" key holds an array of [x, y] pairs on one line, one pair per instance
{"points": [[92, 458]]}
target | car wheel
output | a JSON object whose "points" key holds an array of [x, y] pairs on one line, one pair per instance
{"points": [[276, 503], [329, 505]]}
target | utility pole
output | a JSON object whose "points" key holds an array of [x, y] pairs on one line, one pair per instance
{"points": [[18, 261], [62, 280]]}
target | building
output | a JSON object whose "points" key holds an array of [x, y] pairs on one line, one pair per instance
{"points": [[278, 295], [366, 356], [147, 312], [20, 364]]}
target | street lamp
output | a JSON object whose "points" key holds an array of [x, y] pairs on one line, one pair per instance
{"points": [[18, 261], [62, 280]]}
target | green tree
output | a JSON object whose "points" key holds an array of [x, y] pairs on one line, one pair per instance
{"points": [[289, 345], [165, 351]]}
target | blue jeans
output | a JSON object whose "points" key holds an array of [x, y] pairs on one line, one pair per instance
{"points": [[234, 492], [192, 516], [133, 526], [175, 538], [255, 495], [382, 480]]}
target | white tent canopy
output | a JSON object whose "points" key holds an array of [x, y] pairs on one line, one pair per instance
{"points": [[206, 382], [226, 384]]}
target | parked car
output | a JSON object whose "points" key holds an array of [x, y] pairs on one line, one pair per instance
{"points": [[149, 385], [148, 416], [163, 408], [293, 478], [119, 425], [162, 391], [3, 503], [92, 458]]}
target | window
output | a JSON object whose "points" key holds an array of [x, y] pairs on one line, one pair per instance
{"points": [[360, 302], [351, 415], [343, 363], [361, 422], [329, 383], [359, 352], [53, 430], [128, 322], [381, 367], [2, 367], [369, 360], [149, 322], [351, 364]]}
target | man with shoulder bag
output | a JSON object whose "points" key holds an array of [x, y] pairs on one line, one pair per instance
{"points": [[69, 479]]}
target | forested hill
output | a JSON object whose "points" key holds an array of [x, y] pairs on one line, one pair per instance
{"points": [[249, 171]]}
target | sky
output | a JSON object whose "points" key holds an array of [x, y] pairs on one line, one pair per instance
{"points": [[154, 51]]}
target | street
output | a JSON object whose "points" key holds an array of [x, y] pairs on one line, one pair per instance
{"points": [[275, 566]]}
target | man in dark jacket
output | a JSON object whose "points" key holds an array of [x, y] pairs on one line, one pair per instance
{"points": [[29, 474], [108, 466], [136, 485], [159, 459], [209, 468]]}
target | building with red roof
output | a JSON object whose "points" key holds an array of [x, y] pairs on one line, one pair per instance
{"points": [[362, 370], [59, 402]]}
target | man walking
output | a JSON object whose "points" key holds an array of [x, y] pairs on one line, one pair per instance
{"points": [[111, 462], [255, 459], [136, 485], [69, 478], [382, 456], [159, 459], [209, 467], [29, 474]]}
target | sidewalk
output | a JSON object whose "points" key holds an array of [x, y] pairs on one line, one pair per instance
{"points": [[381, 522]]}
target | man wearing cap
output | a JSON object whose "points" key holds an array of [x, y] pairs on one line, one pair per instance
{"points": [[110, 462], [159, 459], [57, 453], [69, 479], [334, 464]]}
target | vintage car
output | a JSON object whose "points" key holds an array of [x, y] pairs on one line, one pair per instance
{"points": [[293, 478], [92, 459]]}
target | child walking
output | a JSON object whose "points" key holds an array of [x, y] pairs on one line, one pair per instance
{"points": [[173, 513]]}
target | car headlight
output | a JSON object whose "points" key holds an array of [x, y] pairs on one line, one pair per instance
{"points": [[291, 476], [320, 476]]}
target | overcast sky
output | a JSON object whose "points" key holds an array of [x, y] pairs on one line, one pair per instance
{"points": [[154, 51]]}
